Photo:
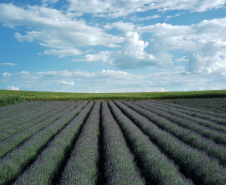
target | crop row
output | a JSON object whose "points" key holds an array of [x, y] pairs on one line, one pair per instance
{"points": [[177, 112], [82, 165], [187, 136], [119, 163], [29, 120], [17, 108], [158, 169], [193, 163], [129, 142], [16, 139], [21, 112], [14, 163], [45, 168], [217, 136], [213, 116]]}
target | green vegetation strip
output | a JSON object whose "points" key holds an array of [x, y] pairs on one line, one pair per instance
{"points": [[47, 164], [8, 97], [195, 164], [8, 100], [81, 167]]}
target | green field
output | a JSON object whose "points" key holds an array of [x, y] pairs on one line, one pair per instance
{"points": [[12, 97]]}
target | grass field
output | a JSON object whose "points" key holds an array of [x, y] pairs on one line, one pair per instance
{"points": [[11, 97], [112, 142]]}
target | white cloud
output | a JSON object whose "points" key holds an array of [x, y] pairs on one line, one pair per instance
{"points": [[111, 81], [24, 72], [126, 27], [182, 59], [7, 64], [156, 89], [103, 56], [71, 83], [132, 55], [149, 17], [203, 44], [5, 74], [60, 32], [20, 38], [119, 8], [45, 2], [63, 52], [13, 88]]}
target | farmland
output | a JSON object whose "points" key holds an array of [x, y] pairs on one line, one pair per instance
{"points": [[12, 97], [112, 142]]}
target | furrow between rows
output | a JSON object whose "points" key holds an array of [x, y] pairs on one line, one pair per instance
{"points": [[195, 164], [216, 136], [14, 163], [197, 113], [16, 109], [189, 137], [177, 112], [193, 109], [82, 164], [157, 168], [119, 164], [47, 165], [38, 116], [20, 116], [15, 140]]}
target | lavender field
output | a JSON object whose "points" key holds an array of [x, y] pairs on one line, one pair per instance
{"points": [[106, 142]]}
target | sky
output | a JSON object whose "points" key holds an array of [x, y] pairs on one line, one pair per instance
{"points": [[100, 46]]}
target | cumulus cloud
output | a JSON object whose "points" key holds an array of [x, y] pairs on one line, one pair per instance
{"points": [[13, 88], [203, 44], [60, 32], [132, 55]]}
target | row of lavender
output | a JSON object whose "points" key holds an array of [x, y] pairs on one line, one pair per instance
{"points": [[115, 143], [193, 161]]}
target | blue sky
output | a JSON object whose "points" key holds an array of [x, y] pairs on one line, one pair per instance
{"points": [[112, 46]]}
